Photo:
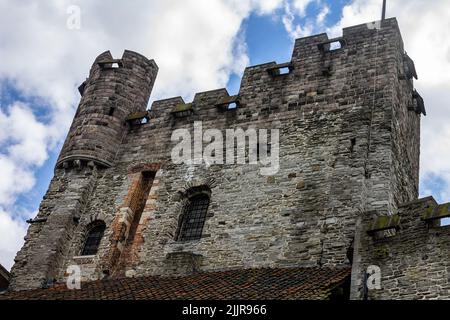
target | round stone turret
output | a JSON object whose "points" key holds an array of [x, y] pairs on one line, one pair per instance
{"points": [[115, 89]]}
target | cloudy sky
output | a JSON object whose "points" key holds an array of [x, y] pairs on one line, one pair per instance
{"points": [[198, 45]]}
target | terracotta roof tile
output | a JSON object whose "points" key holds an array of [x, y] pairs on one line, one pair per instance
{"points": [[248, 284]]}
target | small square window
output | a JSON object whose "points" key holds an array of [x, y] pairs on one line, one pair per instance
{"points": [[336, 45], [232, 106]]}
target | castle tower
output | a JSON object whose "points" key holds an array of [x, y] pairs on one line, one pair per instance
{"points": [[115, 90]]}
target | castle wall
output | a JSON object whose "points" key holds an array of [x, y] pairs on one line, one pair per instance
{"points": [[341, 154]]}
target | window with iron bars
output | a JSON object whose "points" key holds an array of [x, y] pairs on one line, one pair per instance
{"points": [[194, 218], [94, 236]]}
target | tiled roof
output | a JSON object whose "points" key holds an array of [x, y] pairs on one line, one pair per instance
{"points": [[247, 284]]}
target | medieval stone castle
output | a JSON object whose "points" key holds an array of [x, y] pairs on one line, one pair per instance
{"points": [[343, 208]]}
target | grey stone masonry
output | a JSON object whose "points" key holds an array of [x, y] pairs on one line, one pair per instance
{"points": [[349, 128], [414, 260]]}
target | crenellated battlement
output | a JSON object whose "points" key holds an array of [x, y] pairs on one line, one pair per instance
{"points": [[319, 73]]}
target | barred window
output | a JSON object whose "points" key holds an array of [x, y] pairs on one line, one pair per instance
{"points": [[93, 238], [193, 218]]}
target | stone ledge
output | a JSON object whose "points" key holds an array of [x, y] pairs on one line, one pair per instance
{"points": [[84, 259]]}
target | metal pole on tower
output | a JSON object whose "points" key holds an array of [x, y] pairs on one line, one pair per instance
{"points": [[383, 14]]}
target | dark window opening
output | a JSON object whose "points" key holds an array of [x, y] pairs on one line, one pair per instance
{"points": [[193, 218], [341, 292], [138, 118], [140, 121], [327, 70], [332, 45], [101, 123], [336, 45], [352, 144], [284, 70], [443, 222], [93, 239], [111, 64], [232, 106], [280, 69], [228, 104], [111, 111]]}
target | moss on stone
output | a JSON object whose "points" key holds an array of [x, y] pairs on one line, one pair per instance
{"points": [[385, 222], [183, 107], [381, 222], [441, 211], [381, 252]]}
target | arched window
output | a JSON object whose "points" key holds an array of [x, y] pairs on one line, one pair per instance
{"points": [[94, 235], [193, 218]]}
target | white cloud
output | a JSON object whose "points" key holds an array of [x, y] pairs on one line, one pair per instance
{"points": [[267, 6], [12, 233], [300, 6], [14, 180], [320, 19], [24, 138], [296, 21], [23, 146], [296, 30], [191, 41]]}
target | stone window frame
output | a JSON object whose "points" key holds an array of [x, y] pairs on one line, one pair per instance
{"points": [[187, 196], [87, 230]]}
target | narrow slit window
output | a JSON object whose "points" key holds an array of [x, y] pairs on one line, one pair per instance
{"points": [[352, 144], [194, 217]]}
